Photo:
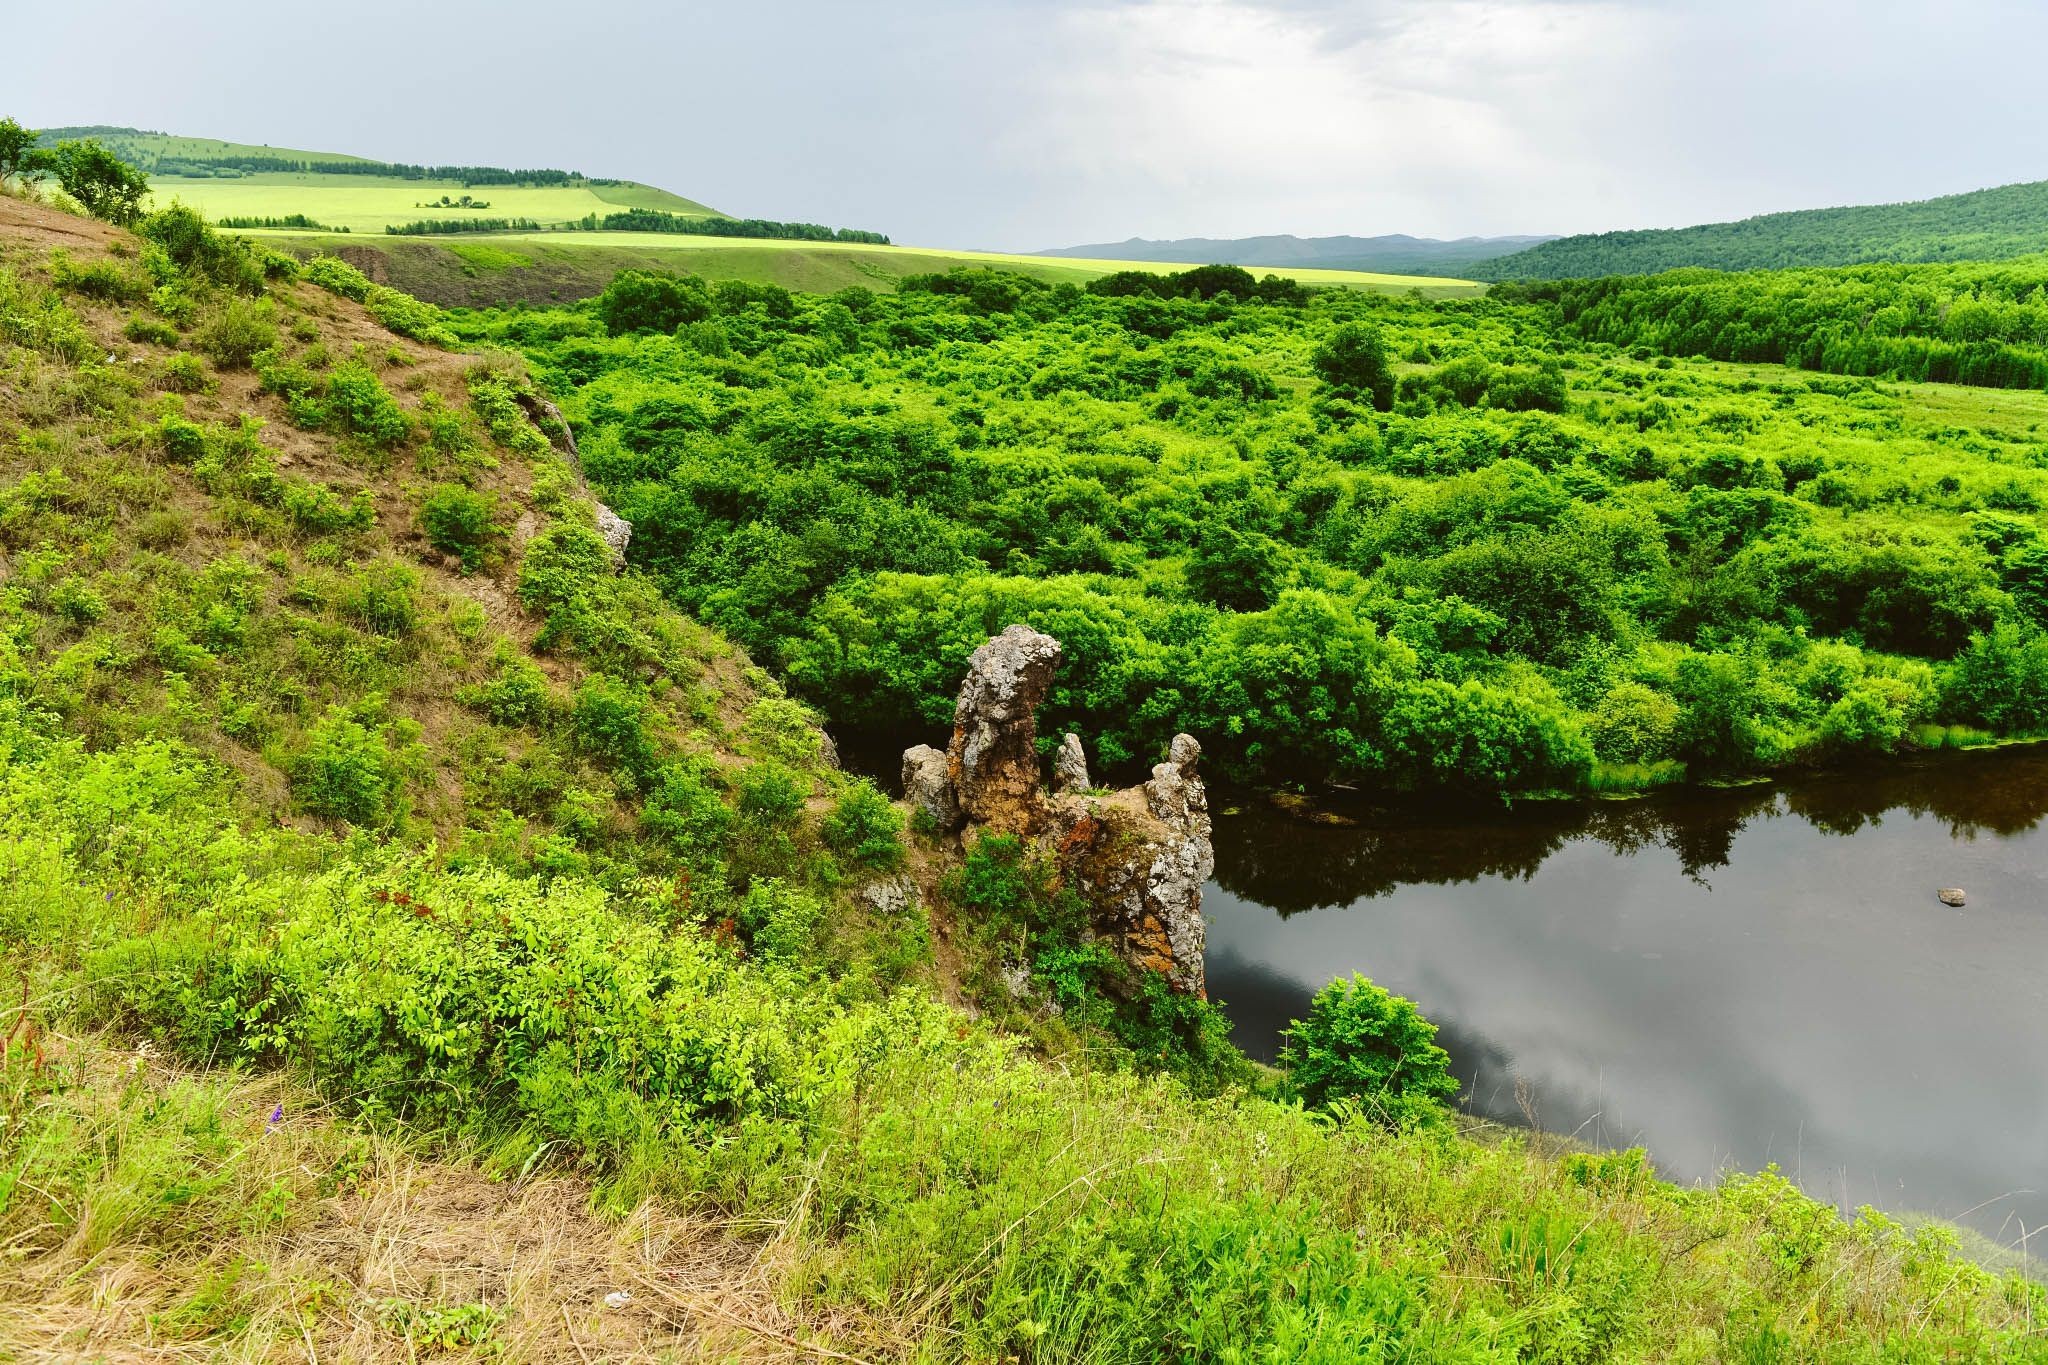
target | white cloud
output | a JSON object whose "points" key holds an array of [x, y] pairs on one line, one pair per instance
{"points": [[1022, 123]]}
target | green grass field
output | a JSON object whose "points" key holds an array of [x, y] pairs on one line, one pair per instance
{"points": [[145, 149], [363, 203]]}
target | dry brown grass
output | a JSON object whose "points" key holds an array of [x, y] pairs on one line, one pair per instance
{"points": [[391, 1227]]}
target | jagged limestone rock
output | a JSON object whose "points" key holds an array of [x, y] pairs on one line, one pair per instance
{"points": [[1070, 766], [928, 787], [993, 759], [892, 896], [617, 533], [1140, 858]]}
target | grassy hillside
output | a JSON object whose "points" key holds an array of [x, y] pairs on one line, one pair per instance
{"points": [[423, 931], [541, 268], [1396, 254], [235, 180], [1985, 225]]}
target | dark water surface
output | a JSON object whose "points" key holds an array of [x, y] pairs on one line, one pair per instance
{"points": [[1728, 978]]}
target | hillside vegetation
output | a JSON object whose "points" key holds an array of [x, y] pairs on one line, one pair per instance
{"points": [[1395, 254], [400, 893], [1979, 324], [1379, 541], [1984, 225]]}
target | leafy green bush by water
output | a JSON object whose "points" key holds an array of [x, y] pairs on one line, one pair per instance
{"points": [[1363, 1044]]}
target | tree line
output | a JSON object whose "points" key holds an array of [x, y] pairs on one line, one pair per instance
{"points": [[1983, 323], [657, 220]]}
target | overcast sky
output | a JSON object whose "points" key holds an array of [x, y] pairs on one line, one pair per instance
{"points": [[1019, 124]]}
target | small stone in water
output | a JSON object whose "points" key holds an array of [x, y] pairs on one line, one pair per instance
{"points": [[1950, 895]]}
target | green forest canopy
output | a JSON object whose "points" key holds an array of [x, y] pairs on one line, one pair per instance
{"points": [[1550, 563], [1984, 225]]}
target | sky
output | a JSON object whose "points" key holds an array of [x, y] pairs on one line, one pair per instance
{"points": [[1024, 124]]}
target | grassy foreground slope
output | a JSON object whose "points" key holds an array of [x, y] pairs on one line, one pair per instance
{"points": [[428, 855], [1984, 225]]}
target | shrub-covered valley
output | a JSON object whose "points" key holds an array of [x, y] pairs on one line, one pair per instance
{"points": [[1345, 538], [437, 938]]}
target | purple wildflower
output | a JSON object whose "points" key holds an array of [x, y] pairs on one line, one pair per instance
{"points": [[270, 1125]]}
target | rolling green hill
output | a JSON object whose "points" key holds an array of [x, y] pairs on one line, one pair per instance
{"points": [[1984, 225], [1396, 253], [240, 180], [561, 267]]}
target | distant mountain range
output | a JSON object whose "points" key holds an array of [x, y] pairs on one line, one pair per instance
{"points": [[1397, 254], [1983, 225]]}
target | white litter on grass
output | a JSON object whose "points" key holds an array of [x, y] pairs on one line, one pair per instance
{"points": [[618, 1298]]}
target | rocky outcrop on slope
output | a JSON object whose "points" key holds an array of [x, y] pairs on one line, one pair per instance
{"points": [[993, 759], [1139, 857], [616, 530]]}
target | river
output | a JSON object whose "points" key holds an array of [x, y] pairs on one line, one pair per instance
{"points": [[1725, 977]]}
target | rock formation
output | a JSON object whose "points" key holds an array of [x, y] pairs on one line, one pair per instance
{"points": [[929, 789], [617, 533], [993, 759], [1070, 767], [616, 530], [1139, 857]]}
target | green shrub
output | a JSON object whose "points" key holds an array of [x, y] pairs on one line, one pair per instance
{"points": [[185, 374], [517, 696], [337, 276], [771, 795], [184, 441], [610, 720], [148, 331], [192, 245], [688, 813], [866, 828], [409, 317], [106, 186], [462, 522], [237, 332], [347, 771], [782, 923], [1002, 885], [1361, 1043], [560, 562], [107, 281], [383, 597], [319, 510], [355, 402]]}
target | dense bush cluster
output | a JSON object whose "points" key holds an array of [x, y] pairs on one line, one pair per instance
{"points": [[1379, 540], [1961, 324]]}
